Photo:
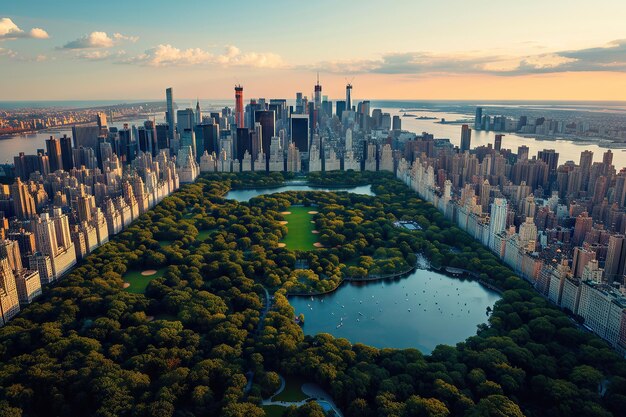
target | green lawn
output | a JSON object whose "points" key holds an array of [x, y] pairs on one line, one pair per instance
{"points": [[165, 243], [299, 228], [138, 282], [204, 234], [274, 410], [292, 391]]}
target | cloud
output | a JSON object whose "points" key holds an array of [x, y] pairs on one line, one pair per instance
{"points": [[168, 55], [9, 30], [611, 57], [98, 40], [7, 52]]}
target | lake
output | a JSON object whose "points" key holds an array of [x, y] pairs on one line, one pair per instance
{"points": [[421, 310], [246, 195]]}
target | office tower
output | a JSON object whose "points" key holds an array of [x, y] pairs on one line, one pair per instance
{"points": [[208, 135], [169, 115], [466, 138], [498, 141], [300, 132], [23, 201], [185, 119], [348, 97], [198, 114], [126, 145], [244, 142], [607, 158], [365, 115], [67, 157], [9, 301], [498, 216], [299, 104], [85, 136], [397, 123], [583, 224], [53, 148], [318, 94], [340, 107], [586, 159], [580, 260], [327, 108], [239, 106], [478, 119], [615, 259], [522, 153], [267, 120], [162, 138], [551, 158]]}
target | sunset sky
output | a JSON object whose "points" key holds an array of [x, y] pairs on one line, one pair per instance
{"points": [[548, 50]]}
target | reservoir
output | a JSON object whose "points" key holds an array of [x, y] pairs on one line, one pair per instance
{"points": [[246, 195], [421, 310]]}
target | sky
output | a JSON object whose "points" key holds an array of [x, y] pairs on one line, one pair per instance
{"points": [[393, 49]]}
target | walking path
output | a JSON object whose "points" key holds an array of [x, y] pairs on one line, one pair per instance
{"points": [[311, 390]]}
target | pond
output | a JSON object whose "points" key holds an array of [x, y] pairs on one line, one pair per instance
{"points": [[246, 195], [421, 310]]}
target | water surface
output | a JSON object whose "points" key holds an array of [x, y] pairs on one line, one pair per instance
{"points": [[420, 311]]}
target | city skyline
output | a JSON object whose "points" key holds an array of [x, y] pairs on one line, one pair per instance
{"points": [[435, 51]]}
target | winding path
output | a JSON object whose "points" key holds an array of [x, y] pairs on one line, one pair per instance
{"points": [[311, 390]]}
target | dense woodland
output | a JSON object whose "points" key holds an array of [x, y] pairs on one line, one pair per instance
{"points": [[184, 348]]}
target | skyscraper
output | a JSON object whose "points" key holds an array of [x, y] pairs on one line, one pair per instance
{"points": [[466, 138], [498, 141], [67, 156], [478, 120], [300, 132], [497, 220], [318, 94], [186, 119], [198, 118], [348, 97], [23, 201], [239, 106], [615, 259], [169, 116], [340, 108], [53, 148], [267, 119]]}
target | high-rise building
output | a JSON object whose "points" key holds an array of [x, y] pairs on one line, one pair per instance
{"points": [[551, 158], [198, 114], [185, 119], [67, 156], [340, 107], [171, 122], [300, 132], [85, 136], [23, 201], [267, 119], [466, 138], [348, 97], [396, 123], [9, 300], [239, 119], [615, 259], [53, 148], [498, 141], [318, 94], [583, 224], [478, 120]]}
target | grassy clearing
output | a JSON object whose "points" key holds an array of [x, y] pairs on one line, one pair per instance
{"points": [[299, 229], [292, 391], [138, 282]]}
